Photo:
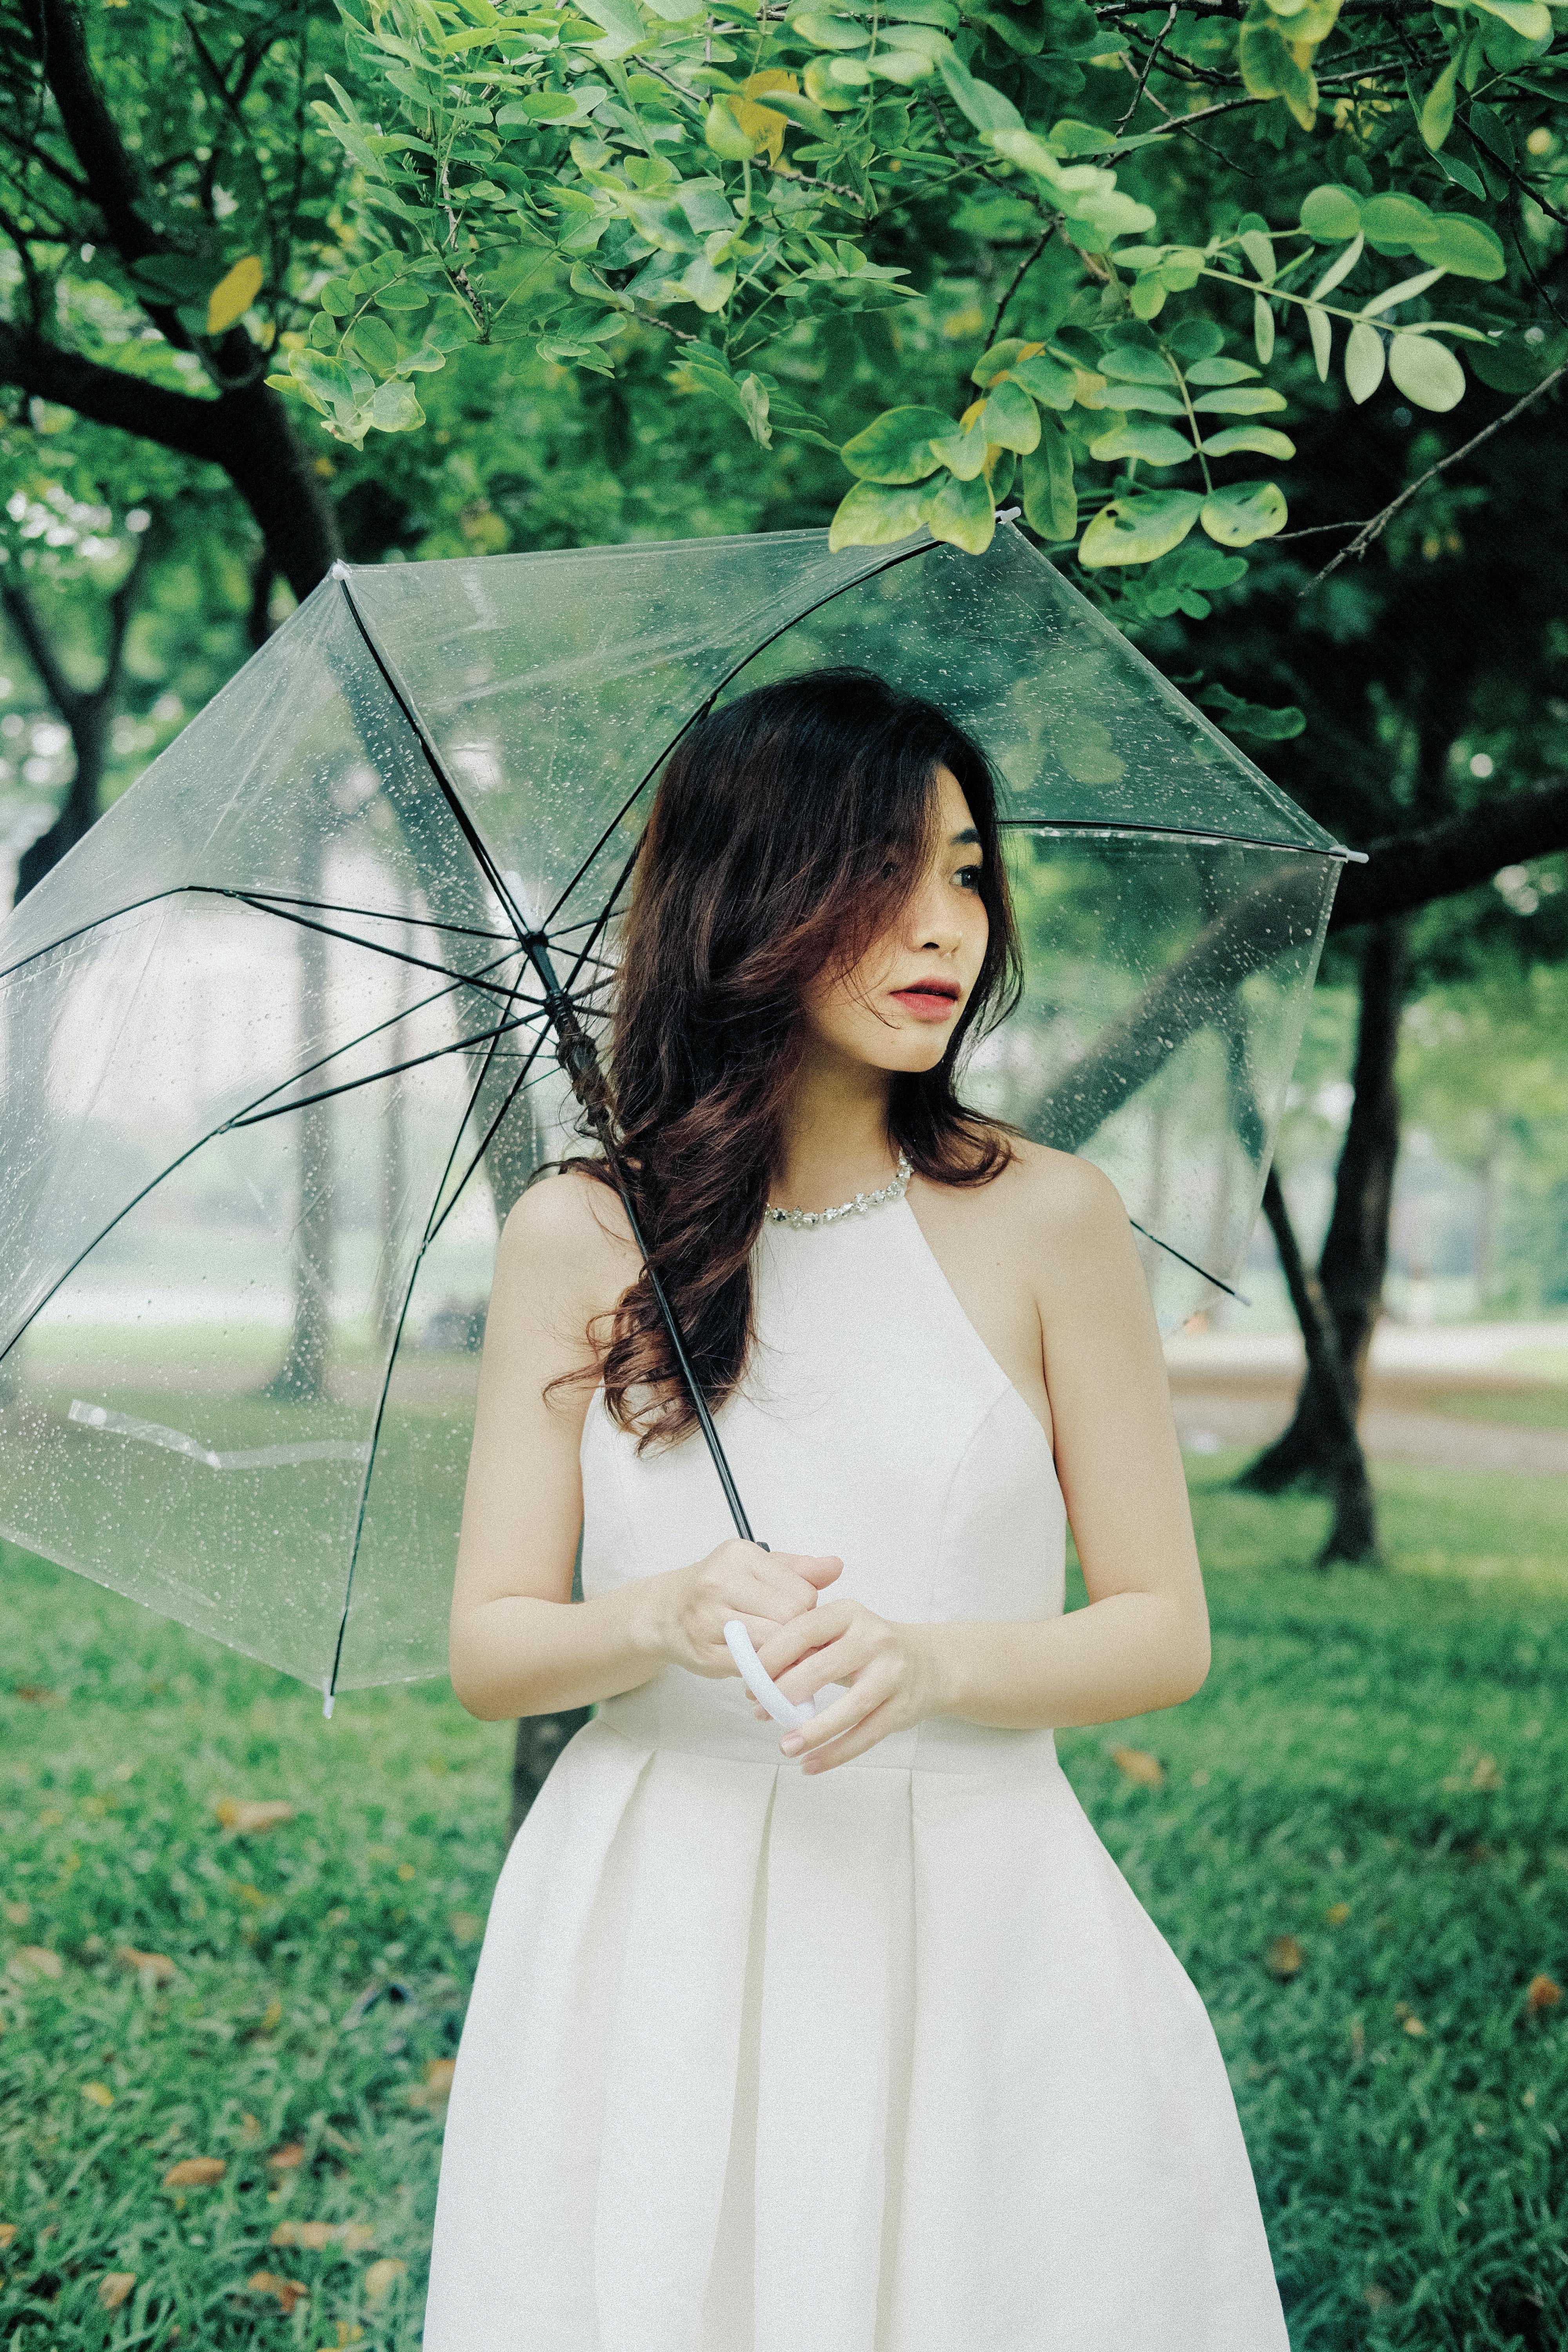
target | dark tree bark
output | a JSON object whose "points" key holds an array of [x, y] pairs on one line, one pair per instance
{"points": [[1350, 1270], [245, 428], [86, 711], [1405, 871]]}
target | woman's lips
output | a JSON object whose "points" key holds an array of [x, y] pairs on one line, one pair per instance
{"points": [[927, 1004]]}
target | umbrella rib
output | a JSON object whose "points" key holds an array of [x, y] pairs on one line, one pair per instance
{"points": [[1191, 1263], [371, 914], [372, 947], [153, 898], [431, 1227], [373, 1077], [1088, 824], [871, 572], [575, 1049]]}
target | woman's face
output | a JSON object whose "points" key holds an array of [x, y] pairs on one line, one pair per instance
{"points": [[897, 1008]]}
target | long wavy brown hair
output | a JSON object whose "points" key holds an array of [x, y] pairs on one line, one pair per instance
{"points": [[788, 830]]}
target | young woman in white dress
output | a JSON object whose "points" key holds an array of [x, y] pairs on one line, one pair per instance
{"points": [[853, 2039]]}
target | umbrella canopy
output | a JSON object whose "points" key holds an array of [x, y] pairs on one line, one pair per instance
{"points": [[277, 1042]]}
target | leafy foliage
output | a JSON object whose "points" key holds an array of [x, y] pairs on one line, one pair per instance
{"points": [[745, 178]]}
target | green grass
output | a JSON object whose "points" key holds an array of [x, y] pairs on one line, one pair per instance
{"points": [[1394, 1744], [1542, 1408]]}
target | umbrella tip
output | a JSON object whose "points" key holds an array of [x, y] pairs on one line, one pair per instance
{"points": [[327, 1697], [1008, 514], [339, 570]]}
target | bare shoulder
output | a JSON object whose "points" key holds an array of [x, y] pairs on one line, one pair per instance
{"points": [[567, 1237], [1051, 1199]]}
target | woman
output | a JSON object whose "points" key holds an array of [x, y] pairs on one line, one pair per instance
{"points": [[852, 2040]]}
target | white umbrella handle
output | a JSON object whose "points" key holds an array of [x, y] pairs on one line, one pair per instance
{"points": [[760, 1682]]}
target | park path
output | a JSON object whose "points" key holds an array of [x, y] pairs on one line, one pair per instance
{"points": [[1233, 1388]]}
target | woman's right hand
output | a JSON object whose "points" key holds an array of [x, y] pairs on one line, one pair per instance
{"points": [[763, 1589]]}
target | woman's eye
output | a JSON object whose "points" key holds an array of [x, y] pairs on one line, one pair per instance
{"points": [[968, 877]]}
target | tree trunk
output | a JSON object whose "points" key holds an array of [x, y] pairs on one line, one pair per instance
{"points": [[1312, 1450], [302, 1378], [89, 723]]}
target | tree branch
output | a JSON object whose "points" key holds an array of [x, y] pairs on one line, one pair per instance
{"points": [[176, 420], [1405, 871], [1372, 530], [23, 617]]}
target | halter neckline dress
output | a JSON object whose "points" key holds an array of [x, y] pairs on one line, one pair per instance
{"points": [[888, 2058]]}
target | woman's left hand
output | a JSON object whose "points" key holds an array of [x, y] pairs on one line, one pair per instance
{"points": [[890, 1671]]}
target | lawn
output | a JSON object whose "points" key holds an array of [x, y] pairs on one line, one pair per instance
{"points": [[1356, 1838]]}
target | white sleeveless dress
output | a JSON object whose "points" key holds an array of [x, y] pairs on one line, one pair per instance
{"points": [[886, 2060]]}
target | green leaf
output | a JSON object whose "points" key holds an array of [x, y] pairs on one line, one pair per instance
{"points": [[538, 106], [1218, 371], [963, 513], [896, 448], [624, 28], [829, 32], [1364, 363], [1156, 444], [1262, 328], [1135, 364], [1426, 372], [906, 65], [1140, 529], [376, 345], [1404, 290], [1050, 501], [1465, 246], [394, 408], [402, 297], [1000, 358], [1239, 399], [1269, 67], [337, 297], [703, 283], [1239, 718], [1395, 223], [962, 447], [1244, 512], [1259, 250], [1047, 379], [1516, 364], [1144, 396], [1010, 419], [1261, 440], [1320, 329], [724, 135], [1528, 18], [1340, 267], [985, 108], [873, 519], [1332, 213], [1436, 118]]}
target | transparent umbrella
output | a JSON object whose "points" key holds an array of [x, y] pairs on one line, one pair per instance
{"points": [[285, 1035]]}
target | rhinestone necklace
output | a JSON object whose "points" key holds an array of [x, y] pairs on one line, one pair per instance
{"points": [[892, 1191]]}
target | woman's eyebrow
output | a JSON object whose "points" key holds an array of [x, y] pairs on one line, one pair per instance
{"points": [[959, 839]]}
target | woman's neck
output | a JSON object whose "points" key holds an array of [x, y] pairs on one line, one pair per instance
{"points": [[835, 1139]]}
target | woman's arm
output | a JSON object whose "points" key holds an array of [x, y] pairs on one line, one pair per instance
{"points": [[518, 1643], [1142, 1642]]}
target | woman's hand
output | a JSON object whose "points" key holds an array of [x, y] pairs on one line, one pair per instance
{"points": [[765, 1589], [891, 1671]]}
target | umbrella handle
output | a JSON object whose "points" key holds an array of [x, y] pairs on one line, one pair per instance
{"points": [[760, 1682]]}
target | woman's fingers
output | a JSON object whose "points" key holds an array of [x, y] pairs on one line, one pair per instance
{"points": [[786, 1644], [835, 1736]]}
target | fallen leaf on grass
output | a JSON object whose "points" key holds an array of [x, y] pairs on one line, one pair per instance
{"points": [[433, 2091], [466, 1927], [18, 1913], [153, 1968], [37, 1694], [36, 1960], [345, 2334], [1542, 1993], [99, 2093], [1358, 2040], [1140, 1766], [114, 2288], [354, 2237], [288, 2158], [1486, 1774], [272, 2015], [1337, 1914], [1414, 2027], [244, 1816], [1283, 1958], [382, 2277], [8, 2232], [287, 2291], [194, 2172], [1377, 2298]]}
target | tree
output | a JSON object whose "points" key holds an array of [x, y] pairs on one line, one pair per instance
{"points": [[741, 183]]}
